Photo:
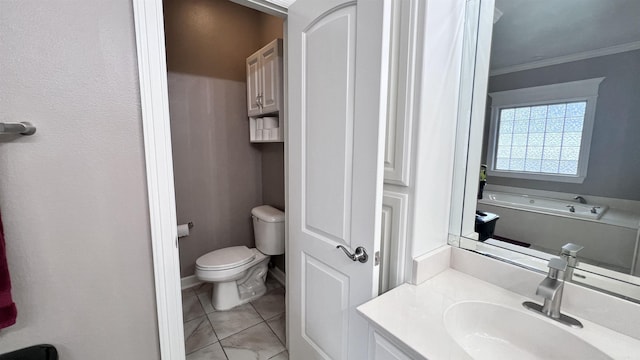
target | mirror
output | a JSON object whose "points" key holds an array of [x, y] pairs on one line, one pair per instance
{"points": [[554, 136]]}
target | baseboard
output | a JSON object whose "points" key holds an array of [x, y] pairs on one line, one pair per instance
{"points": [[189, 281], [279, 275]]}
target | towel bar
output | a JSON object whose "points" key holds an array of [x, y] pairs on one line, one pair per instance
{"points": [[22, 128]]}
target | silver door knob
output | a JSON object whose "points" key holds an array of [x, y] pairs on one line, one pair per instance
{"points": [[359, 255]]}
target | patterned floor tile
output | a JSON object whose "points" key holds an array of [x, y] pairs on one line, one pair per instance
{"points": [[272, 283], [255, 343], [191, 308], [186, 293], [278, 325], [282, 356], [211, 352], [198, 333], [270, 304], [229, 322], [203, 288], [205, 301]]}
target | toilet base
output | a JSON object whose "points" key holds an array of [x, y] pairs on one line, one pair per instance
{"points": [[229, 294]]}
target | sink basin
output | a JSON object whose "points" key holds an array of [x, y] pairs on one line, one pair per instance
{"points": [[491, 331]]}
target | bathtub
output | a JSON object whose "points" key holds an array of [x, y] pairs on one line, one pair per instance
{"points": [[609, 236], [543, 205]]}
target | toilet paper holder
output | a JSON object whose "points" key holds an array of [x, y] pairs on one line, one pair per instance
{"points": [[184, 229]]}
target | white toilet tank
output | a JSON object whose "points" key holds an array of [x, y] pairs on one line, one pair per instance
{"points": [[268, 228]]}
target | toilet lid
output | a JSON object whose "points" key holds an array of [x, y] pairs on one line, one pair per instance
{"points": [[226, 258]]}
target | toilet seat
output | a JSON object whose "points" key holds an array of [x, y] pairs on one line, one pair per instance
{"points": [[227, 258], [228, 265]]}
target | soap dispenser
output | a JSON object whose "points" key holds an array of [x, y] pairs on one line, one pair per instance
{"points": [[483, 180]]}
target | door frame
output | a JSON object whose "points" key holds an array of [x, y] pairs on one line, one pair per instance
{"points": [[154, 102]]}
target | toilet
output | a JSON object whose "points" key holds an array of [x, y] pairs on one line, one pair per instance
{"points": [[238, 273]]}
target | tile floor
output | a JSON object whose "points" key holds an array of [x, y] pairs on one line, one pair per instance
{"points": [[251, 331]]}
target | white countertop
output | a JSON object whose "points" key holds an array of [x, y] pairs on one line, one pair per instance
{"points": [[413, 315]]}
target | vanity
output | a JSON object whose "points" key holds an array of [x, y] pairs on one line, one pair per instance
{"points": [[535, 123], [469, 306]]}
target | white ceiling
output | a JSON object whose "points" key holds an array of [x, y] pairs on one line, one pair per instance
{"points": [[534, 30]]}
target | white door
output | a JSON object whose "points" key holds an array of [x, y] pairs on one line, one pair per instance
{"points": [[253, 85], [337, 69]]}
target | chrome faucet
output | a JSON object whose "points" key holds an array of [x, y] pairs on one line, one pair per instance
{"points": [[551, 289], [580, 199], [569, 253]]}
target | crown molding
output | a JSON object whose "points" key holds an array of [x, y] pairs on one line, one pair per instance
{"points": [[568, 58], [283, 3], [272, 7]]}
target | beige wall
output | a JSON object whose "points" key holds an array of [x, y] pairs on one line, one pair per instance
{"points": [[271, 27], [219, 174], [214, 37], [73, 196]]}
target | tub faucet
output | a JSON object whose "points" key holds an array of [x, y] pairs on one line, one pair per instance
{"points": [[580, 199], [551, 289]]}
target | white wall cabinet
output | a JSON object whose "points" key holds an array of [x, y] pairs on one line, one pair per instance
{"points": [[264, 80], [265, 93], [253, 84]]}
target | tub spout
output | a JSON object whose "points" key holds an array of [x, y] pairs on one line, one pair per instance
{"points": [[580, 199]]}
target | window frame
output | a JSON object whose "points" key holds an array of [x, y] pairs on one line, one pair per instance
{"points": [[574, 91]]}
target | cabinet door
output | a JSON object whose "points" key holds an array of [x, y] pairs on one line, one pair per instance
{"points": [[406, 29], [393, 241], [383, 349], [271, 67], [253, 85]]}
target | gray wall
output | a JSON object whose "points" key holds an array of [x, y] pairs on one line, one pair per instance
{"points": [[273, 183], [273, 174], [218, 175], [73, 196], [614, 163]]}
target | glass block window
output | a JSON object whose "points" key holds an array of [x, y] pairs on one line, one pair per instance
{"points": [[543, 132], [540, 139]]}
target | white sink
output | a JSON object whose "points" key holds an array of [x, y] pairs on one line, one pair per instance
{"points": [[490, 331]]}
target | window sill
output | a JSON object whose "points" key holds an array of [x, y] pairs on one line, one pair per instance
{"points": [[575, 179]]}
